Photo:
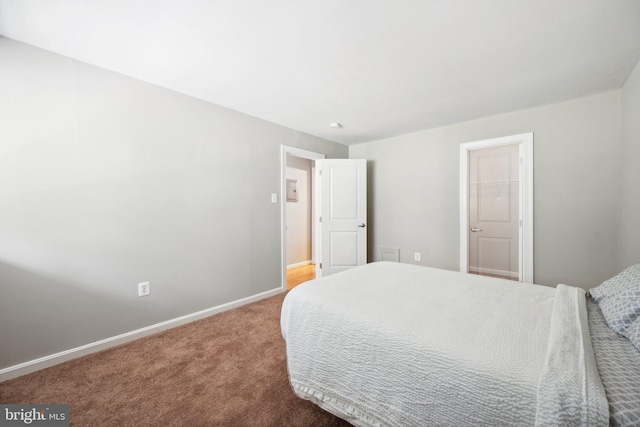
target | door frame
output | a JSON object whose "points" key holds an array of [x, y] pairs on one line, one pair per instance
{"points": [[304, 154], [525, 143]]}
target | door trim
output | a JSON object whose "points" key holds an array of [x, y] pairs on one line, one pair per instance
{"points": [[305, 154], [525, 142]]}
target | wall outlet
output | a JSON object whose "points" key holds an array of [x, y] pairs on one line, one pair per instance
{"points": [[416, 256], [144, 289]]}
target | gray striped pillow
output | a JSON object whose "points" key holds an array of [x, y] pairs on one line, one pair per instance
{"points": [[619, 299]]}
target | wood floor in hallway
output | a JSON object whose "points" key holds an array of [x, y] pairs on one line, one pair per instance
{"points": [[298, 275]]}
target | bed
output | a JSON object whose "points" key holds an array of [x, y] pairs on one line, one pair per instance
{"points": [[391, 344]]}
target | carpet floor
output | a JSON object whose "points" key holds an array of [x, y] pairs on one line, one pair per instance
{"points": [[225, 370]]}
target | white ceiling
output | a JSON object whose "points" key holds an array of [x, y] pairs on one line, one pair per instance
{"points": [[380, 67]]}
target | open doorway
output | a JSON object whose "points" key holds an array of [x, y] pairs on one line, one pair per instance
{"points": [[496, 207], [298, 211], [299, 220], [339, 212]]}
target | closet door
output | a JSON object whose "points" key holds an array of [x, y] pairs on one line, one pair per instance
{"points": [[494, 202]]}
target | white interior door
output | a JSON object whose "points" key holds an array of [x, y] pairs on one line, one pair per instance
{"points": [[494, 211], [524, 142], [341, 186]]}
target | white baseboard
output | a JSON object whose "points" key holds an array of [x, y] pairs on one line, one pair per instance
{"points": [[299, 264], [493, 272], [64, 356]]}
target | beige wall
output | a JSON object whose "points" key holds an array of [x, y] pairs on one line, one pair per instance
{"points": [[629, 244], [414, 188], [106, 182]]}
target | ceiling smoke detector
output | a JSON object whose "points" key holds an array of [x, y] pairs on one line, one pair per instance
{"points": [[335, 125]]}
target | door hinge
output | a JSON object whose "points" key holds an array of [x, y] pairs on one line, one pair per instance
{"points": [[320, 219], [320, 266], [320, 172]]}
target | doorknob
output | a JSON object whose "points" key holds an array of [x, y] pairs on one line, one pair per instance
{"points": [[474, 229], [362, 225]]}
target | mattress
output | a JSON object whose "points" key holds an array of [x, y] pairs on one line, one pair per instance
{"points": [[398, 344], [618, 363]]}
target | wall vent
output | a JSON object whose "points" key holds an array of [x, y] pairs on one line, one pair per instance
{"points": [[389, 254]]}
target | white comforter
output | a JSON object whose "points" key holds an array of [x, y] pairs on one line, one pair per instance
{"points": [[394, 344]]}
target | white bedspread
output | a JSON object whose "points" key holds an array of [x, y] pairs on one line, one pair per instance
{"points": [[394, 344]]}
